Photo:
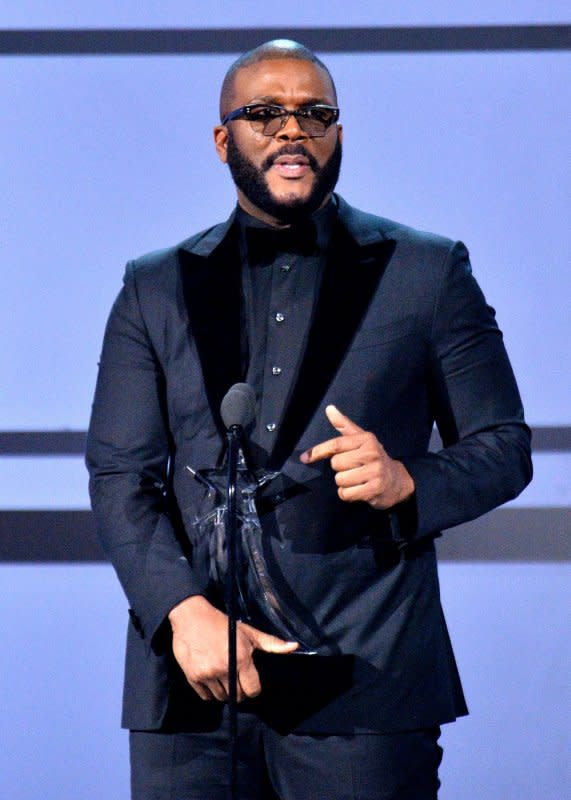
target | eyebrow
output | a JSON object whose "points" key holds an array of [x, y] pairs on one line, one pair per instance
{"points": [[272, 101]]}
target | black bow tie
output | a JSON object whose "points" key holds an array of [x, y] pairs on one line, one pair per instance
{"points": [[265, 244]]}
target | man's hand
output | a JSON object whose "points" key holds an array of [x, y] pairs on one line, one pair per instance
{"points": [[363, 469], [200, 645]]}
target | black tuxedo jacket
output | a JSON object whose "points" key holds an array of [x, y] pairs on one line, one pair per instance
{"points": [[401, 338]]}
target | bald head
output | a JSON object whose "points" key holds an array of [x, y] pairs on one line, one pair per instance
{"points": [[277, 49]]}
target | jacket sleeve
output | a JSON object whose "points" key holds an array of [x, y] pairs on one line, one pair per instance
{"points": [[127, 458], [485, 460]]}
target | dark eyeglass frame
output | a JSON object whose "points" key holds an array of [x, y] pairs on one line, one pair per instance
{"points": [[281, 115]]}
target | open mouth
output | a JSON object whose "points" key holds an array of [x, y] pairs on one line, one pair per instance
{"points": [[295, 166]]}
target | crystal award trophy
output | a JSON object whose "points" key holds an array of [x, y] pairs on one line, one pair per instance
{"points": [[258, 600]]}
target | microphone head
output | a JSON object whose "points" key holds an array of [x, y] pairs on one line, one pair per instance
{"points": [[238, 406]]}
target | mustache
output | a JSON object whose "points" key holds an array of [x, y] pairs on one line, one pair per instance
{"points": [[291, 150]]}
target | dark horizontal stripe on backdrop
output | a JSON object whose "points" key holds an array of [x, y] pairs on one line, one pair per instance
{"points": [[172, 41], [556, 438], [504, 535], [42, 443]]}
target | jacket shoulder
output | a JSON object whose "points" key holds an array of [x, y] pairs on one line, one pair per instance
{"points": [[166, 258], [365, 226]]}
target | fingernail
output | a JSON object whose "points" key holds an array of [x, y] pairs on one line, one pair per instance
{"points": [[304, 457]]}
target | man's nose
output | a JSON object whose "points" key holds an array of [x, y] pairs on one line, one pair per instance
{"points": [[291, 131]]}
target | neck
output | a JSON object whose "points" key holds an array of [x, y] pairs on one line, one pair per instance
{"points": [[258, 213]]}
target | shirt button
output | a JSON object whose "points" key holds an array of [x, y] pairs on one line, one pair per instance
{"points": [[285, 267], [280, 317], [276, 370], [271, 426]]}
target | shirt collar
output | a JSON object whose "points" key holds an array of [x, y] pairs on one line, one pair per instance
{"points": [[323, 219]]}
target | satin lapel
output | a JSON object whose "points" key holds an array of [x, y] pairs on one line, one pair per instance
{"points": [[212, 293], [351, 277]]}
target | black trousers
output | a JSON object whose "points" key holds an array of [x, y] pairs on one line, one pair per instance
{"points": [[194, 766]]}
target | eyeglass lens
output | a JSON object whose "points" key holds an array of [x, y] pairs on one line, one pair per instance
{"points": [[312, 121]]}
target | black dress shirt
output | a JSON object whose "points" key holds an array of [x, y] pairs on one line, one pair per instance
{"points": [[280, 281]]}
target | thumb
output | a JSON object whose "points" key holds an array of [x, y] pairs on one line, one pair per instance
{"points": [[268, 643], [340, 422]]}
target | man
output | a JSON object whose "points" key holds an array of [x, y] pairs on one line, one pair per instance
{"points": [[356, 334]]}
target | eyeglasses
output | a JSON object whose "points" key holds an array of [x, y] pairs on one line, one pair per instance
{"points": [[268, 119]]}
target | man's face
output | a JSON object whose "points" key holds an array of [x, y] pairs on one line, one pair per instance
{"points": [[289, 175]]}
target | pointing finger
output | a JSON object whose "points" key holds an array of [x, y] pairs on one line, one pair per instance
{"points": [[340, 422], [350, 438], [341, 444]]}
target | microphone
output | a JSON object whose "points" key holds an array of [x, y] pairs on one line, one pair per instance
{"points": [[238, 407]]}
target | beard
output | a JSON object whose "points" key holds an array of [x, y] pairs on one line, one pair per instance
{"points": [[252, 182]]}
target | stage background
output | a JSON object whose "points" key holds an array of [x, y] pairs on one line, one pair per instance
{"points": [[456, 118]]}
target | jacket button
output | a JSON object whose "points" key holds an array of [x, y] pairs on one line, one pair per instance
{"points": [[280, 317], [271, 426], [276, 370]]}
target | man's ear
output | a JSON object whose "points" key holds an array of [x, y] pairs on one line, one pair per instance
{"points": [[221, 142]]}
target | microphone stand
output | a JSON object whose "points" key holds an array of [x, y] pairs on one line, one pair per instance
{"points": [[238, 409], [233, 438]]}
